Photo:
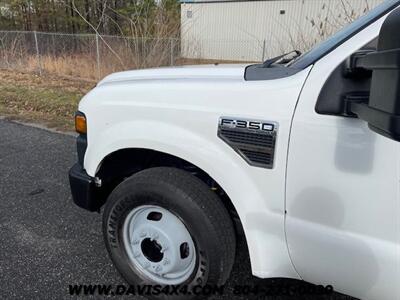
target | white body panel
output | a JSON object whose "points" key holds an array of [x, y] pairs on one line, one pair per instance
{"points": [[178, 114], [343, 204]]}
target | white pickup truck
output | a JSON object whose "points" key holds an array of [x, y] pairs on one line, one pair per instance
{"points": [[300, 154]]}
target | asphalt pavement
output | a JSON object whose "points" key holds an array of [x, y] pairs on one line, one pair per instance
{"points": [[47, 243]]}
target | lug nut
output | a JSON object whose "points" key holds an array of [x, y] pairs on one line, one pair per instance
{"points": [[143, 233], [158, 269], [166, 262]]}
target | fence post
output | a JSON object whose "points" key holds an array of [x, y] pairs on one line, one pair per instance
{"points": [[263, 50], [172, 46], [37, 53], [98, 56]]}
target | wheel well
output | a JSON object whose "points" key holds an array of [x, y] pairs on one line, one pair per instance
{"points": [[123, 163]]}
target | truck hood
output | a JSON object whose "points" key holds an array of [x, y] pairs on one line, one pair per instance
{"points": [[185, 72]]}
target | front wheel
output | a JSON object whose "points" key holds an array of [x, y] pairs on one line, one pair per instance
{"points": [[163, 226]]}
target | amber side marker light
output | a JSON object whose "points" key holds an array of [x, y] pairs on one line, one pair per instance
{"points": [[80, 123]]}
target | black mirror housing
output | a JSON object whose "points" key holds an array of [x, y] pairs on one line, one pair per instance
{"points": [[382, 109]]}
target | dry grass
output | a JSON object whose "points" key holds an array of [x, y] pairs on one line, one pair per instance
{"points": [[47, 100], [86, 57], [83, 67], [72, 66]]}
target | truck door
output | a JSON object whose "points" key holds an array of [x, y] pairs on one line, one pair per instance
{"points": [[342, 198]]}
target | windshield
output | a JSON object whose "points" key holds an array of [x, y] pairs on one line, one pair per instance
{"points": [[340, 37]]}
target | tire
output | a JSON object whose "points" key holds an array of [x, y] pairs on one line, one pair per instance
{"points": [[180, 197]]}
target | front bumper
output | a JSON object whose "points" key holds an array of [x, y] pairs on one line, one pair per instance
{"points": [[84, 191]]}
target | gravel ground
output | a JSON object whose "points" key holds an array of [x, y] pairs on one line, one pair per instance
{"points": [[47, 242]]}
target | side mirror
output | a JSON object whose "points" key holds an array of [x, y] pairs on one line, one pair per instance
{"points": [[382, 108], [351, 68]]}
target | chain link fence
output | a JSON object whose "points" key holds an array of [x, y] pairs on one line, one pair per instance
{"points": [[91, 56], [86, 56], [227, 50]]}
